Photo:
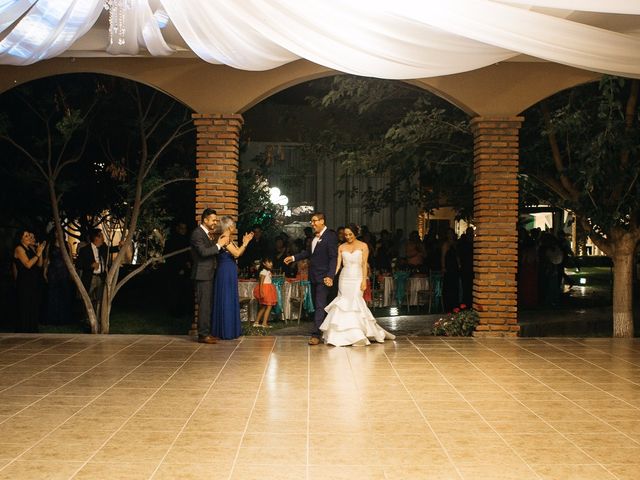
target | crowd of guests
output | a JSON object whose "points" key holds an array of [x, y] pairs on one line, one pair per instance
{"points": [[447, 257], [44, 291], [542, 258]]}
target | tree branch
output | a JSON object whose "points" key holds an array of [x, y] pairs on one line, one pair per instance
{"points": [[629, 115], [161, 186], [557, 156], [596, 237], [174, 136], [26, 153], [149, 261], [158, 121]]}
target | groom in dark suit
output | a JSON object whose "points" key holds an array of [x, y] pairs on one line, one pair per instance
{"points": [[203, 253], [323, 257]]}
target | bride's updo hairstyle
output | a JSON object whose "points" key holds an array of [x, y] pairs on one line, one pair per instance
{"points": [[354, 228]]}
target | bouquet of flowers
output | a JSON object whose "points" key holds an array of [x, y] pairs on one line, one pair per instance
{"points": [[461, 322]]}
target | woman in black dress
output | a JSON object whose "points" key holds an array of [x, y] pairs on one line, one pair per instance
{"points": [[27, 258], [59, 287]]}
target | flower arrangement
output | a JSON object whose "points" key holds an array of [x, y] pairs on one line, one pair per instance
{"points": [[461, 322]]}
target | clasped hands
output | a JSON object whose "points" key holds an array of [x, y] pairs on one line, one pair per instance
{"points": [[223, 240]]}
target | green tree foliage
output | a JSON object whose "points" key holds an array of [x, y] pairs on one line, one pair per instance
{"points": [[421, 143], [580, 152], [105, 150]]}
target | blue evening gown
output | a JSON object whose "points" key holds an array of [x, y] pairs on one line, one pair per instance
{"points": [[225, 321]]}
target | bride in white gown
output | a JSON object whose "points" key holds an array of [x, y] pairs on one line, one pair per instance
{"points": [[349, 321]]}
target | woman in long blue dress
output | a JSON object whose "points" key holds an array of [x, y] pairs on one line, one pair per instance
{"points": [[225, 316]]}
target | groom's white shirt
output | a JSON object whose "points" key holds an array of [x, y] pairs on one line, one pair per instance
{"points": [[316, 239]]}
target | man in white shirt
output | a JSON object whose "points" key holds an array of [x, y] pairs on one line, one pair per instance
{"points": [[322, 257], [92, 262], [203, 253]]}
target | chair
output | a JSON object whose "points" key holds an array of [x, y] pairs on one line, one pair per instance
{"points": [[247, 301], [435, 287], [401, 278], [377, 290], [296, 299], [424, 295]]}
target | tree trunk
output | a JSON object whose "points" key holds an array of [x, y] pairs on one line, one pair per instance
{"points": [[105, 311], [581, 238], [84, 295], [623, 264]]}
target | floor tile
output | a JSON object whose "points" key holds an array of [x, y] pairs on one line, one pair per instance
{"points": [[270, 407]]}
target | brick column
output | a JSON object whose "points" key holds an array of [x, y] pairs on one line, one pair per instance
{"points": [[217, 160], [496, 154]]}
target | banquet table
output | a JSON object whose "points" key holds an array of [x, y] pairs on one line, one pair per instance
{"points": [[413, 286], [245, 290]]}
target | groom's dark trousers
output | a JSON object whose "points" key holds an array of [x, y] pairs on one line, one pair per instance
{"points": [[320, 293], [322, 264]]}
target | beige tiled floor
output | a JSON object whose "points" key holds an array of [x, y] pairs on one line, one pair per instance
{"points": [[140, 407]]}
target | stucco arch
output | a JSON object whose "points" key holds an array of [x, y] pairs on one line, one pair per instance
{"points": [[504, 89]]}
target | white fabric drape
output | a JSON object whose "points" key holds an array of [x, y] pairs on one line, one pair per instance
{"points": [[628, 7], [47, 30], [536, 34], [141, 31], [396, 39], [11, 10]]}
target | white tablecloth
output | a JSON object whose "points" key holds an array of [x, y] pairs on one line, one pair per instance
{"points": [[245, 289], [414, 285]]}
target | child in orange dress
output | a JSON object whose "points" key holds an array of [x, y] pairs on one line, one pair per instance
{"points": [[265, 293]]}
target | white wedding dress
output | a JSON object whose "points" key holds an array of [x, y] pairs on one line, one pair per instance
{"points": [[349, 321]]}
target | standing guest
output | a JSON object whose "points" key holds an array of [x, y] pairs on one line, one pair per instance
{"points": [[527, 271], [465, 253], [225, 319], [203, 255], [178, 269], [323, 255], [59, 286], [382, 258], [399, 245], [340, 234], [281, 253], [265, 293], [28, 262], [451, 272], [367, 237], [550, 255], [258, 248], [415, 253], [433, 251], [92, 261], [303, 265]]}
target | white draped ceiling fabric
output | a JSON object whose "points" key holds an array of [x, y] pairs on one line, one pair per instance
{"points": [[395, 39]]}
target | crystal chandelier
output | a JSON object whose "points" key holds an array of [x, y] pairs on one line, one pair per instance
{"points": [[117, 9]]}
